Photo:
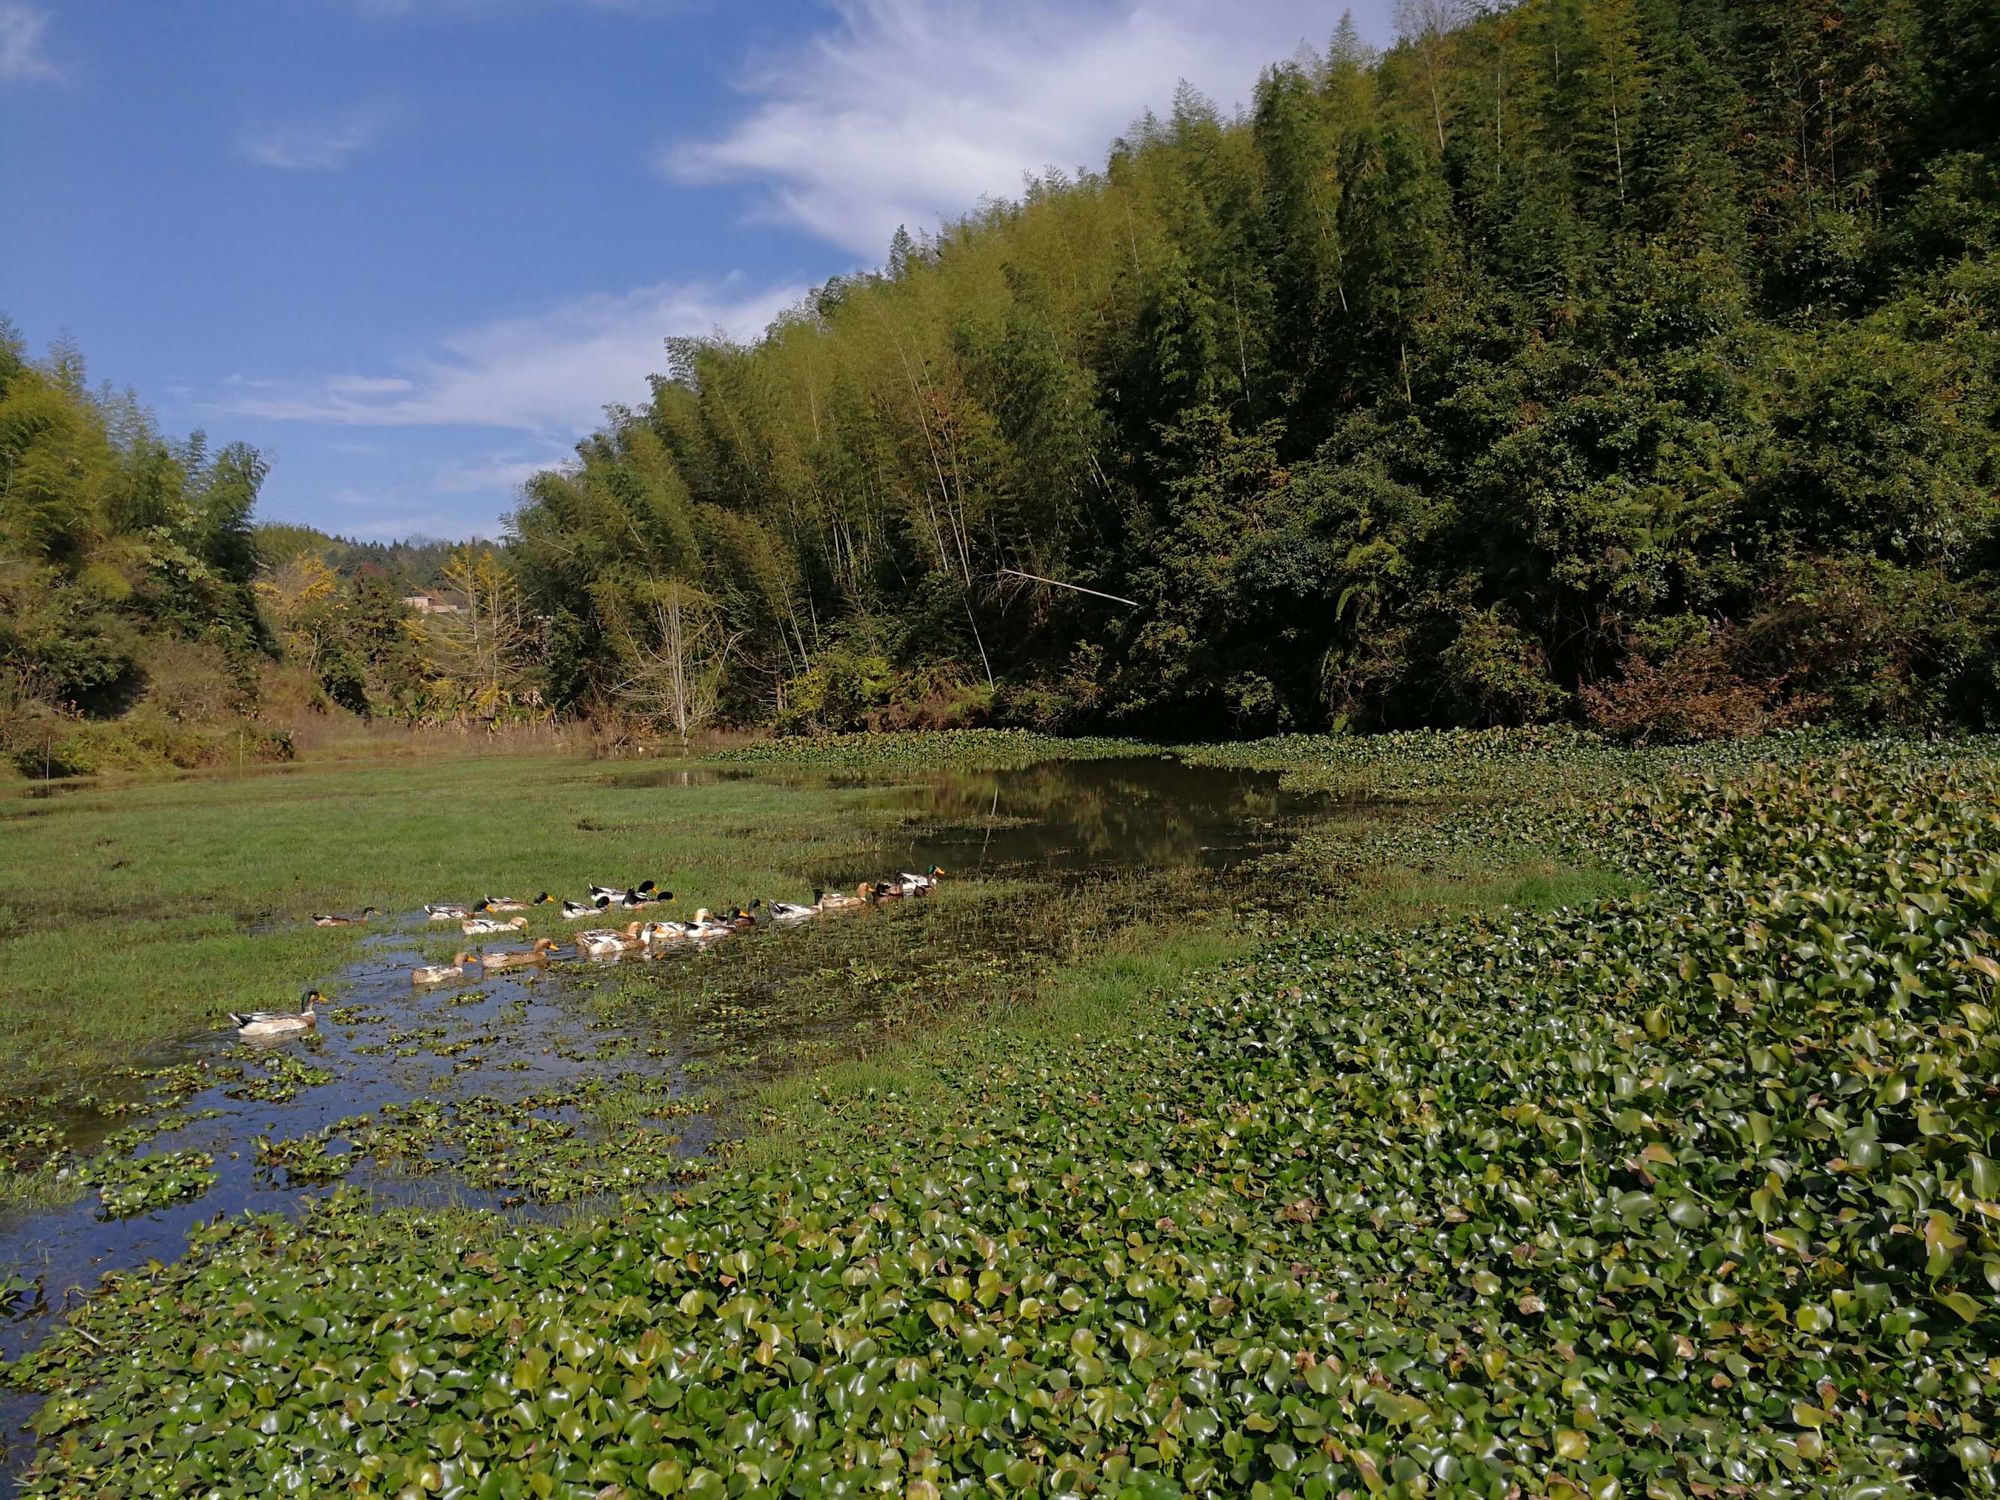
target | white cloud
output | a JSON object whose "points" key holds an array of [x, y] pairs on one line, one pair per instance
{"points": [[318, 143], [367, 385], [551, 374], [480, 476], [910, 111], [396, 513], [23, 32]]}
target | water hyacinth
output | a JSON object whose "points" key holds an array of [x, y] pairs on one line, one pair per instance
{"points": [[1691, 1193]]}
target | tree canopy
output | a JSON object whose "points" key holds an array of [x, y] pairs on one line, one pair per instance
{"points": [[1631, 361], [1611, 358]]}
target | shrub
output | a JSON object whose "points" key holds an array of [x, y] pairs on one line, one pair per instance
{"points": [[1691, 695], [1875, 643], [1498, 674]]}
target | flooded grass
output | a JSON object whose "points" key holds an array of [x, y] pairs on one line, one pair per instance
{"points": [[553, 1092], [132, 917], [441, 1126]]}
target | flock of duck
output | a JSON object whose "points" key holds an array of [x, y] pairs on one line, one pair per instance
{"points": [[485, 918]]}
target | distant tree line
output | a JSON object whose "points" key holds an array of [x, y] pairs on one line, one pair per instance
{"points": [[146, 619], [1624, 360]]}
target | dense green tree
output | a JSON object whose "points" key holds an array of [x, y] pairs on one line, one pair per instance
{"points": [[1569, 357], [1564, 340]]}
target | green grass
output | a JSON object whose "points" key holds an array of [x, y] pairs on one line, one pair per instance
{"points": [[37, 1189], [140, 913], [1117, 990], [1688, 1193]]}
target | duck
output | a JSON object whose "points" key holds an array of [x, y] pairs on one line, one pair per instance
{"points": [[827, 901], [620, 892], [602, 942], [439, 973], [706, 926], [508, 903], [792, 911], [519, 958], [743, 920], [880, 890], [278, 1022], [667, 932], [336, 919], [574, 911], [488, 926], [638, 897], [444, 911], [920, 885]]}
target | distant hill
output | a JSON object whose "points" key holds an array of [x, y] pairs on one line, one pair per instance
{"points": [[406, 566]]}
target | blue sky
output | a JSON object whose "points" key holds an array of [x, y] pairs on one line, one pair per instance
{"points": [[412, 248]]}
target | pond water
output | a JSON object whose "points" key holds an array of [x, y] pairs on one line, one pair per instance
{"points": [[503, 1092]]}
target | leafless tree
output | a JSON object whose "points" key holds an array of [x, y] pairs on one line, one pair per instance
{"points": [[1427, 26], [675, 654], [485, 638]]}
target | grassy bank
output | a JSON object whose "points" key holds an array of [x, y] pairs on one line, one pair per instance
{"points": [[1689, 1192], [138, 913]]}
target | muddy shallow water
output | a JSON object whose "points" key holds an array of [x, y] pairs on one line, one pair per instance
{"points": [[667, 1041]]}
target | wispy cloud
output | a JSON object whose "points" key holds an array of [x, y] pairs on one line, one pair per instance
{"points": [[551, 374], [24, 55], [508, 474], [909, 111], [318, 143]]}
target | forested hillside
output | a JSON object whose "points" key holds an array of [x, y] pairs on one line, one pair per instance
{"points": [[127, 561], [146, 620], [1622, 361], [1626, 360]]}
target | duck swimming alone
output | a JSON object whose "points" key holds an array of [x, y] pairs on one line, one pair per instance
{"points": [[519, 958], [488, 926], [439, 973], [277, 1022], [335, 919]]}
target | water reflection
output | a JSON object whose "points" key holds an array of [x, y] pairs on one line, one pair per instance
{"points": [[1066, 817], [1062, 817]]}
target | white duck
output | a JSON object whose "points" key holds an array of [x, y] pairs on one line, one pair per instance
{"points": [[489, 926], [439, 973], [603, 942], [277, 1022], [705, 927]]}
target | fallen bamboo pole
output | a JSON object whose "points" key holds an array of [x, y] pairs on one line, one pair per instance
{"points": [[1074, 587]]}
